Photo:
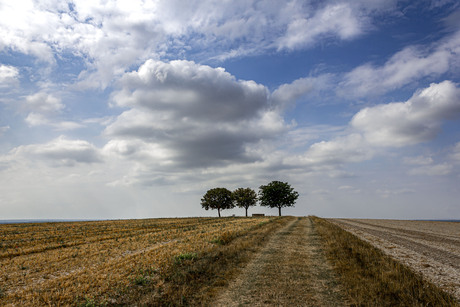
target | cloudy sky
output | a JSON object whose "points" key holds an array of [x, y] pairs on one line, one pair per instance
{"points": [[134, 109]]}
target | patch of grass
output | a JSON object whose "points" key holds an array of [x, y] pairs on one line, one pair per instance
{"points": [[224, 238], [140, 280], [179, 259], [372, 278]]}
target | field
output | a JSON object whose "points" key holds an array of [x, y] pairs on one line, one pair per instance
{"points": [[428, 247], [101, 262], [286, 261]]}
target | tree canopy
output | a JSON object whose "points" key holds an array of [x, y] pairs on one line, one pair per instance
{"points": [[277, 194], [217, 198], [245, 198]]}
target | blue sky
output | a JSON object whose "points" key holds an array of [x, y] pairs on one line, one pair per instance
{"points": [[133, 109]]}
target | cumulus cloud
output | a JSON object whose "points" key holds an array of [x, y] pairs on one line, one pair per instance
{"points": [[388, 125], [37, 119], [425, 166], [417, 120], [333, 20], [329, 157], [191, 115], [60, 152], [348, 149], [24, 26], [287, 94], [9, 76], [186, 89], [43, 103], [410, 64], [111, 36], [43, 108]]}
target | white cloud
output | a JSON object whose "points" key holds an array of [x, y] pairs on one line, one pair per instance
{"points": [[43, 110], [388, 125], [406, 123], [333, 20], [288, 94], [426, 166], [185, 89], [43, 103], [410, 64], [111, 36], [190, 115], [37, 119], [9, 76], [432, 170], [348, 149], [59, 152]]}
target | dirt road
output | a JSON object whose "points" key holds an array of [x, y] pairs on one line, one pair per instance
{"points": [[291, 270], [430, 248]]}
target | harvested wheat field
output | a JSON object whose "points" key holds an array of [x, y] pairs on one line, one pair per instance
{"points": [[264, 261], [106, 262], [428, 247]]}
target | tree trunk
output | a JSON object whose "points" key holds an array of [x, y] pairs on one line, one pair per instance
{"points": [[246, 212], [218, 211], [279, 210]]}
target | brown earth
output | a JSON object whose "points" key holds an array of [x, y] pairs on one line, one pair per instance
{"points": [[291, 270], [429, 248]]}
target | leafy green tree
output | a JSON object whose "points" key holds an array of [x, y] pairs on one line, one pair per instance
{"points": [[217, 198], [245, 198], [277, 194]]}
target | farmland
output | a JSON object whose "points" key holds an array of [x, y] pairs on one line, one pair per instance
{"points": [[430, 248], [85, 262], [287, 261]]}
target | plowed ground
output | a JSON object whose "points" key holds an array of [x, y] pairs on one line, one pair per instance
{"points": [[428, 247]]}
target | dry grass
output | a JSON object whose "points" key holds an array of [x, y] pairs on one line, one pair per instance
{"points": [[196, 282], [373, 279], [104, 263], [291, 270]]}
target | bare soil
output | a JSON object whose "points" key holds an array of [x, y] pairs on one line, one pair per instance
{"points": [[429, 248], [291, 270]]}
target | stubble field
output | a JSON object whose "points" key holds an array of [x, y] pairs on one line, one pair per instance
{"points": [[287, 261], [428, 247], [80, 263]]}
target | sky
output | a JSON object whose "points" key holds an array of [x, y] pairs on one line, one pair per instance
{"points": [[134, 109]]}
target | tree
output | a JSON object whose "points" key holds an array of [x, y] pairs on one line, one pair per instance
{"points": [[245, 198], [277, 194], [217, 198]]}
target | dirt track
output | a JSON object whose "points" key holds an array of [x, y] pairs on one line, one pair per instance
{"points": [[430, 248], [291, 270]]}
